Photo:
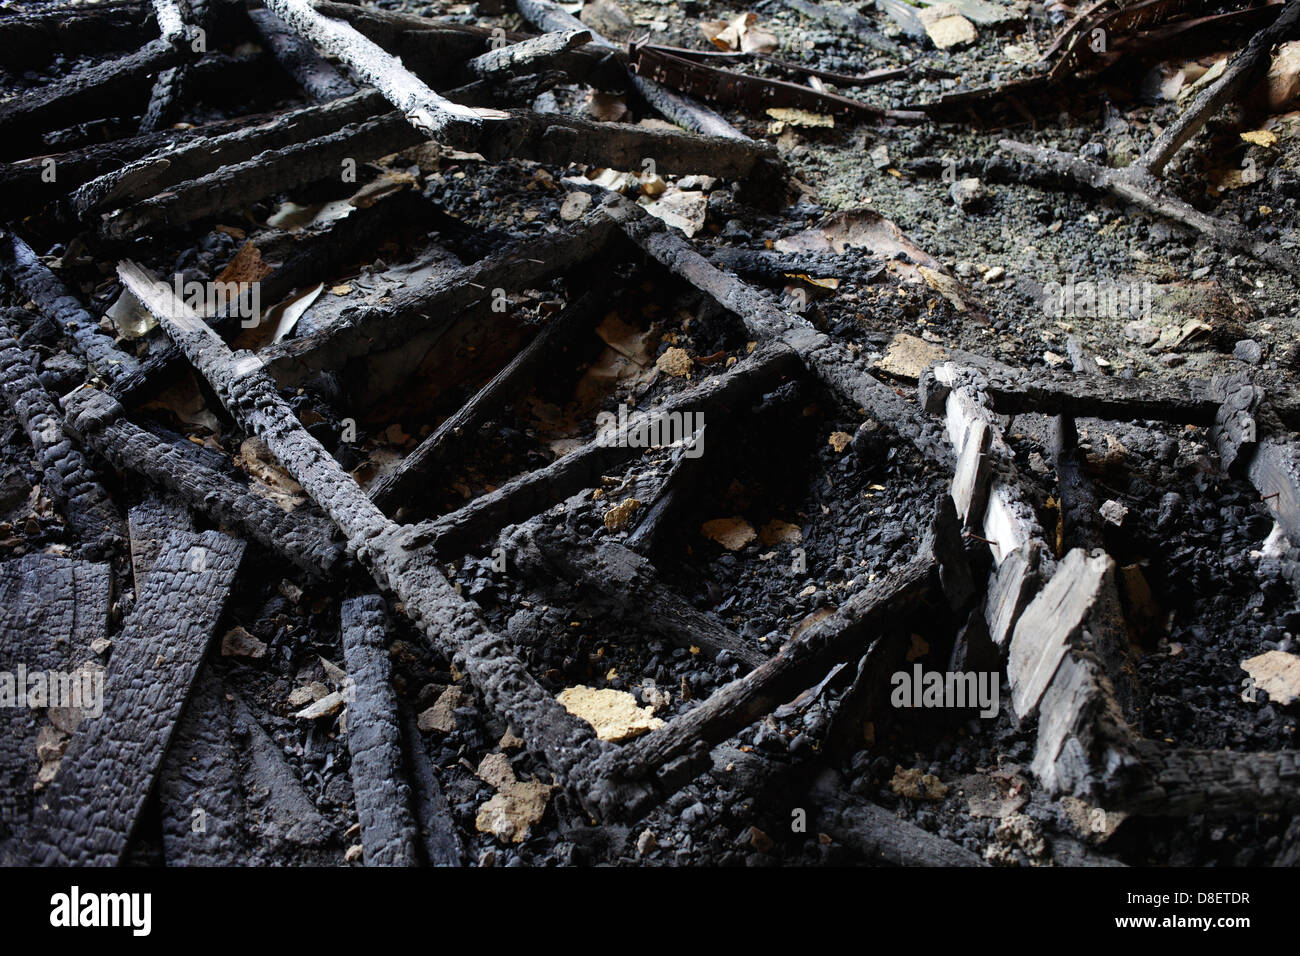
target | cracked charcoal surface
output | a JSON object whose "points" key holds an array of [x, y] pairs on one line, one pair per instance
{"points": [[89, 812]]}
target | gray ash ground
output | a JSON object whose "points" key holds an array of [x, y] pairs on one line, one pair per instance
{"points": [[1194, 534]]}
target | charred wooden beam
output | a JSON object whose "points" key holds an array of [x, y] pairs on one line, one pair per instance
{"points": [[383, 799], [424, 109], [30, 39], [69, 478], [1182, 781], [439, 840], [527, 56], [395, 489], [315, 258], [238, 185], [210, 154], [686, 113], [397, 323], [532, 493], [843, 635], [108, 771], [878, 834], [33, 279], [96, 91], [831, 361], [668, 499], [98, 421], [452, 625], [316, 75]]}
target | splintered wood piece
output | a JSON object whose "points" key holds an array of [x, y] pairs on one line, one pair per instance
{"points": [[108, 771], [452, 624], [388, 833], [99, 422], [69, 477], [1077, 610], [424, 109], [532, 493], [34, 280], [316, 75], [970, 482], [527, 55], [1012, 585], [396, 488], [1275, 471]]}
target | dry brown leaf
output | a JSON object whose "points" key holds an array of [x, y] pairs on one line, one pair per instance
{"points": [[732, 533]]}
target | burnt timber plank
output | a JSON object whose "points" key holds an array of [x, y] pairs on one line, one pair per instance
{"points": [[306, 541], [51, 609], [148, 524], [388, 833], [199, 790], [69, 477], [34, 280], [90, 810], [452, 624]]}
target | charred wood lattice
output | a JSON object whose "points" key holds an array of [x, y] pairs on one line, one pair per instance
{"points": [[984, 571]]}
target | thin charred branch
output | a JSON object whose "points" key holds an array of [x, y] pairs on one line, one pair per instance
{"points": [[532, 493], [103, 89], [431, 114], [396, 489], [686, 113], [91, 809], [527, 56], [452, 624], [439, 840], [383, 798], [431, 308], [1247, 65], [1136, 187], [69, 478], [33, 279], [316, 75], [1078, 498], [308, 543]]}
